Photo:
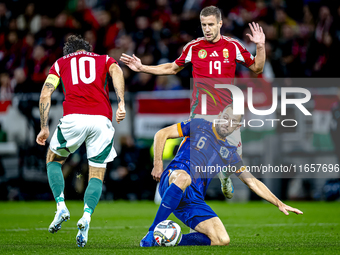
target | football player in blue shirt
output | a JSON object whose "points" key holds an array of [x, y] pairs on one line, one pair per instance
{"points": [[203, 153]]}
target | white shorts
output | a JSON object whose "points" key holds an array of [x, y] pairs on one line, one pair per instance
{"points": [[233, 139], [95, 130]]}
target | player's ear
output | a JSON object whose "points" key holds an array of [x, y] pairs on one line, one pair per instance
{"points": [[238, 126], [220, 23]]}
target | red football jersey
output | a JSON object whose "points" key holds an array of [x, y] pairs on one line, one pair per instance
{"points": [[213, 63], [84, 77]]}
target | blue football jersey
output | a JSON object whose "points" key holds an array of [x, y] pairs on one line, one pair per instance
{"points": [[203, 154]]}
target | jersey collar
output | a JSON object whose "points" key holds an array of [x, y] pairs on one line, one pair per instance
{"points": [[214, 42]]}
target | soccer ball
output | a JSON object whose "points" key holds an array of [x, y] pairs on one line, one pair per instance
{"points": [[167, 233]]}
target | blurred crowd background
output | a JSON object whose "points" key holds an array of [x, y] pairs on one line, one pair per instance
{"points": [[302, 36], [302, 40]]}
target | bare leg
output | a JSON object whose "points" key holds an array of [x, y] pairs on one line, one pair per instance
{"points": [[96, 172], [181, 178], [215, 230], [52, 157]]}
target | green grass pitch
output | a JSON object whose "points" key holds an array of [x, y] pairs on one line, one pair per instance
{"points": [[117, 227]]}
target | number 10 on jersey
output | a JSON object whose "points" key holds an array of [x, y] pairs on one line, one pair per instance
{"points": [[82, 75], [216, 65]]}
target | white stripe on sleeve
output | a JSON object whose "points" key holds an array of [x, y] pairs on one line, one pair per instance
{"points": [[189, 55], [56, 65], [238, 53]]}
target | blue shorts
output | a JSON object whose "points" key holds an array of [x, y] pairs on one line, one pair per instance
{"points": [[192, 209]]}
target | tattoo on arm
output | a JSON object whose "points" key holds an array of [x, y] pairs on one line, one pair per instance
{"points": [[44, 107], [45, 103], [50, 87], [118, 96]]}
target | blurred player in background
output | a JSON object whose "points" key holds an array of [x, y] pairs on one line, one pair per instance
{"points": [[87, 118], [213, 59], [335, 126], [184, 183]]}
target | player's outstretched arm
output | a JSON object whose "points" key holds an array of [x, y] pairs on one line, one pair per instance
{"points": [[159, 142], [135, 64], [260, 189], [119, 86], [259, 38], [44, 108]]}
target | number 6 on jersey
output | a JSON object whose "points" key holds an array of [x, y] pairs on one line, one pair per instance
{"points": [[201, 142], [82, 75]]}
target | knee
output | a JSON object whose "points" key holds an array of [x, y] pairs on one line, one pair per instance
{"points": [[221, 241], [183, 180], [224, 241], [186, 179]]}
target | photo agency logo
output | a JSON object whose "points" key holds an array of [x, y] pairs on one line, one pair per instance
{"points": [[238, 105]]}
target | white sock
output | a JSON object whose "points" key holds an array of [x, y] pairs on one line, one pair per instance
{"points": [[61, 205], [87, 213], [87, 216]]}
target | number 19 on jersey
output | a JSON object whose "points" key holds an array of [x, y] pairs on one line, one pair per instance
{"points": [[215, 65]]}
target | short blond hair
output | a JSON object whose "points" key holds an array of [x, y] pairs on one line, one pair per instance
{"points": [[212, 10], [231, 106]]}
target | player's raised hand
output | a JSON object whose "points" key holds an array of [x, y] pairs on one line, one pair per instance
{"points": [[286, 208], [42, 136], [133, 62], [257, 36], [157, 172], [120, 114]]}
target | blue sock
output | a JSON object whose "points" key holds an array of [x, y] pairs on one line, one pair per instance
{"points": [[194, 239], [171, 198]]}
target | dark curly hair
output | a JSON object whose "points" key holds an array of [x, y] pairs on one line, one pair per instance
{"points": [[74, 43]]}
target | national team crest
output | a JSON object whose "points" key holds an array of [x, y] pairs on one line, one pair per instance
{"points": [[225, 53], [202, 54], [224, 152]]}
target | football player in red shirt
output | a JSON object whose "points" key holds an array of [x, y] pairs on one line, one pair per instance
{"points": [[213, 59], [87, 118]]}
